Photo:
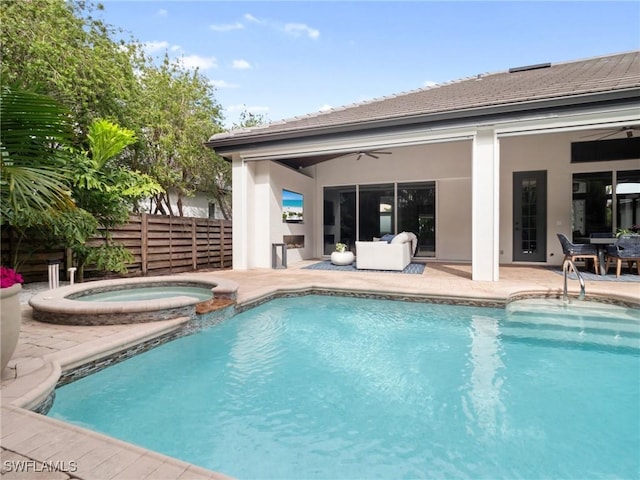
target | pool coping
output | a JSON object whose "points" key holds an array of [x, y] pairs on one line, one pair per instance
{"points": [[55, 365]]}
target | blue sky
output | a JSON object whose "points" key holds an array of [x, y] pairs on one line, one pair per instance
{"points": [[292, 58]]}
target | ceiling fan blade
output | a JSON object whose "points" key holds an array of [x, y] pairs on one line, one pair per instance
{"points": [[598, 134], [610, 134]]}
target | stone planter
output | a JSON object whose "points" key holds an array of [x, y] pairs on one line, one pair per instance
{"points": [[342, 258], [10, 319]]}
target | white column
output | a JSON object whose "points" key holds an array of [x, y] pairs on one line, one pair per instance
{"points": [[239, 172], [485, 171]]}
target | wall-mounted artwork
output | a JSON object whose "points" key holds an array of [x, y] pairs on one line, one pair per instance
{"points": [[292, 206]]}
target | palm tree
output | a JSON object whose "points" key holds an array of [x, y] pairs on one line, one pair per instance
{"points": [[35, 132]]}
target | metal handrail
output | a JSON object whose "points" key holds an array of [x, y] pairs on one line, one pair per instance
{"points": [[569, 263]]}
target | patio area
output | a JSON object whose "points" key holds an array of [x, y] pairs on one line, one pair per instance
{"points": [[35, 446]]}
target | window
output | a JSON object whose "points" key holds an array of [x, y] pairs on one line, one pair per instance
{"points": [[605, 150], [598, 200]]}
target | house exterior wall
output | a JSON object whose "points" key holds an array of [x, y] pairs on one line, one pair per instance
{"points": [[550, 152], [196, 206], [448, 164], [257, 219], [289, 179]]}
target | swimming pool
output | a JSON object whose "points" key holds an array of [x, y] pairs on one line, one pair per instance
{"points": [[329, 387]]}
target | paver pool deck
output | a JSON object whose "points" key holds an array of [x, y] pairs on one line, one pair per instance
{"points": [[38, 447]]}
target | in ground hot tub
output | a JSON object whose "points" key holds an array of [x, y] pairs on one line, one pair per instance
{"points": [[131, 300]]}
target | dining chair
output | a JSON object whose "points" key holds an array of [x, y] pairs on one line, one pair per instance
{"points": [[626, 248], [578, 251]]}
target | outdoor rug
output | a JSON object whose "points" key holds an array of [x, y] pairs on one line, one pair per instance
{"points": [[611, 277], [414, 268]]}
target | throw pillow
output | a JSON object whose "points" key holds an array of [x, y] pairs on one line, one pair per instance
{"points": [[401, 238], [387, 238]]}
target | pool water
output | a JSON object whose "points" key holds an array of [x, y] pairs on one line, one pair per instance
{"points": [[133, 293], [332, 387]]}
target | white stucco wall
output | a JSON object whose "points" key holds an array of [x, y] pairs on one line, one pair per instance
{"points": [[448, 164], [292, 180], [257, 220], [196, 206], [551, 152]]}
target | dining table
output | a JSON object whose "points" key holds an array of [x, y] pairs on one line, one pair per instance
{"points": [[600, 242]]}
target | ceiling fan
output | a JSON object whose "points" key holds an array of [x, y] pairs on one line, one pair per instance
{"points": [[366, 153], [627, 130]]}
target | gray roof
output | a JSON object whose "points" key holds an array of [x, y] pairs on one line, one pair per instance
{"points": [[524, 88]]}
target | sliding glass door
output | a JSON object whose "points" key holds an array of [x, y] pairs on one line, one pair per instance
{"points": [[628, 199], [376, 207], [380, 209], [417, 214], [339, 217]]}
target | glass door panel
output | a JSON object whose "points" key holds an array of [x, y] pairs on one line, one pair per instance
{"points": [[339, 223], [376, 214], [592, 204], [628, 200], [417, 214], [530, 216]]}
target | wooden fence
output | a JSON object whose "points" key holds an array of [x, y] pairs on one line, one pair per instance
{"points": [[159, 244]]}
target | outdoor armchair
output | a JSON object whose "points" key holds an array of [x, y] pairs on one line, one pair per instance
{"points": [[578, 251], [626, 248]]}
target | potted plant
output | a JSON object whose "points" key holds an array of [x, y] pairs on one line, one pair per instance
{"points": [[10, 312], [632, 230], [342, 256]]}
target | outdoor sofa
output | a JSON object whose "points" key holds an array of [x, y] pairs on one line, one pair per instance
{"points": [[386, 254]]}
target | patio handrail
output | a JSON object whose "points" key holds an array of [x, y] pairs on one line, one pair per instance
{"points": [[565, 267]]}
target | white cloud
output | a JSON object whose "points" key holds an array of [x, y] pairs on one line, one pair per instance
{"points": [[325, 108], [155, 46], [175, 48], [430, 83], [241, 65], [251, 18], [297, 29], [227, 27], [162, 12], [197, 61], [294, 29], [223, 84]]}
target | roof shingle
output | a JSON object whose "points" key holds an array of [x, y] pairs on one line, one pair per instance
{"points": [[561, 80]]}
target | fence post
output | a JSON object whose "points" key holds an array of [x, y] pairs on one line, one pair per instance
{"points": [[170, 243], [194, 244], [68, 262], [144, 244], [221, 249]]}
